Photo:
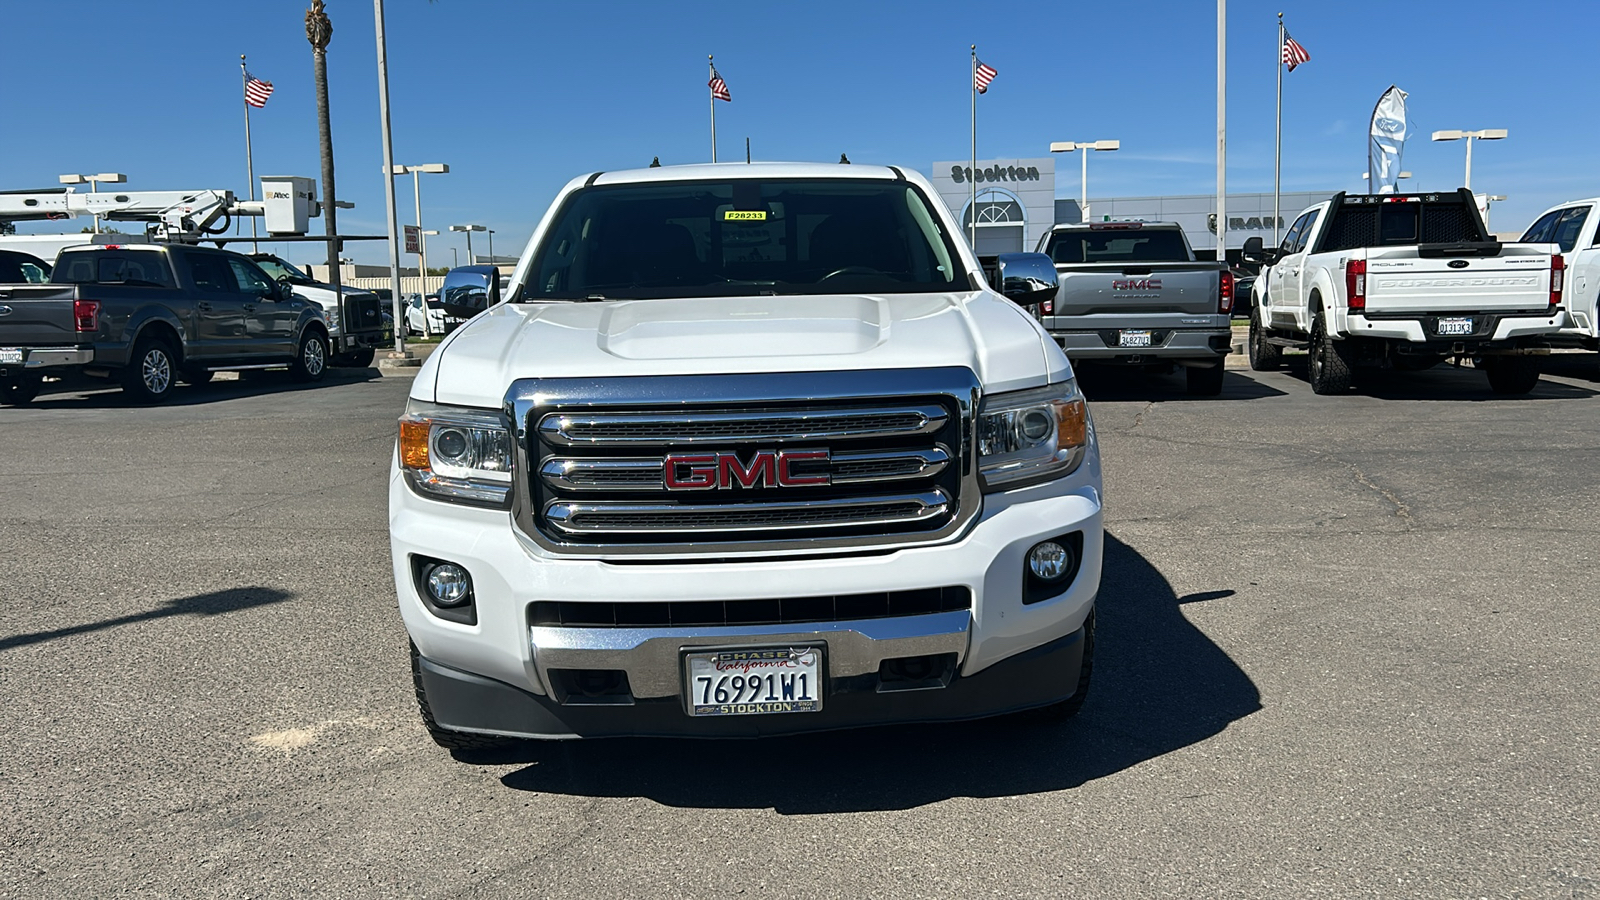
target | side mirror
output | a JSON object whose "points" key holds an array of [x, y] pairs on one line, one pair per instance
{"points": [[1254, 251], [282, 289], [470, 290], [1026, 278]]}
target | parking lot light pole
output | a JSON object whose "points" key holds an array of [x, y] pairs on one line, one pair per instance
{"points": [[491, 246], [422, 240], [469, 229], [1487, 134], [393, 220], [94, 186], [1085, 146]]}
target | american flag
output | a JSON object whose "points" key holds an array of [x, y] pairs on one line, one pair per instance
{"points": [[256, 91], [1293, 53], [982, 76], [719, 88]]}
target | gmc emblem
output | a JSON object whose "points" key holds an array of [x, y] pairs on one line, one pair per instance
{"points": [[1141, 284], [714, 471]]}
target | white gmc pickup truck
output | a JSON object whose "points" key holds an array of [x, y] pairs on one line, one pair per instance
{"points": [[746, 450], [1404, 281]]}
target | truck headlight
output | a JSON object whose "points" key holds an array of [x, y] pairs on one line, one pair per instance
{"points": [[1025, 437], [456, 453]]}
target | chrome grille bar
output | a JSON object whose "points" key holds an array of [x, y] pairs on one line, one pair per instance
{"points": [[644, 473], [575, 517], [774, 425]]}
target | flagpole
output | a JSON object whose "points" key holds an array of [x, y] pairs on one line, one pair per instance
{"points": [[1222, 132], [1277, 154], [249, 160], [711, 64], [972, 173]]}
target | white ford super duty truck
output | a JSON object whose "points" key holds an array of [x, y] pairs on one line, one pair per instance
{"points": [[746, 450], [1404, 281]]}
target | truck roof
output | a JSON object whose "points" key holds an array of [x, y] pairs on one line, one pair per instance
{"points": [[724, 171], [1114, 226]]}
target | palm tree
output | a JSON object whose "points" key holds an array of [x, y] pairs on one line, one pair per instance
{"points": [[319, 31]]}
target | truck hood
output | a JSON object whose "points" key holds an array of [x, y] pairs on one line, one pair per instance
{"points": [[1004, 346]]}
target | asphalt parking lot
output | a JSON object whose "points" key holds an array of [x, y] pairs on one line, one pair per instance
{"points": [[1347, 650]]}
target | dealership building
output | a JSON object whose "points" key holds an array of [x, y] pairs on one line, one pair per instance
{"points": [[1016, 205]]}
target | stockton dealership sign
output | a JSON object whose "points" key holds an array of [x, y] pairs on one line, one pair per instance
{"points": [[960, 174]]}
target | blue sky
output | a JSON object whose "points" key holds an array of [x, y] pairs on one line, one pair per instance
{"points": [[518, 96]]}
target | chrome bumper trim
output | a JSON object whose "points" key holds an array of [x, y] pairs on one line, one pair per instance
{"points": [[651, 656], [609, 517], [41, 358]]}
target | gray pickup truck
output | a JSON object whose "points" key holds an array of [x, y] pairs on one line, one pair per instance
{"points": [[1132, 293], [149, 314]]}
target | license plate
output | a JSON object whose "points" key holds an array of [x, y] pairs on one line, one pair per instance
{"points": [[10, 356], [754, 681], [1455, 326], [1133, 339]]}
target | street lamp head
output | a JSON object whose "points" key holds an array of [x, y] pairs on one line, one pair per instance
{"points": [[468, 228], [1063, 146], [109, 178], [435, 168], [431, 231], [73, 179], [1452, 134], [1108, 145], [1492, 134]]}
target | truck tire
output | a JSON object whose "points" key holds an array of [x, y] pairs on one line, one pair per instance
{"points": [[19, 388], [310, 357], [1264, 357], [1066, 709], [1204, 382], [1330, 371], [1513, 375], [445, 737], [359, 358], [151, 372]]}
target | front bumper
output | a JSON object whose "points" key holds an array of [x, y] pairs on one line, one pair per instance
{"points": [[53, 357], [501, 653], [1039, 677]]}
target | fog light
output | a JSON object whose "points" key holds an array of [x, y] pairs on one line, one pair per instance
{"points": [[448, 584], [1049, 561]]}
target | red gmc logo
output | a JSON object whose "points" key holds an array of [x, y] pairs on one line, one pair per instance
{"points": [[714, 471], [1142, 284]]}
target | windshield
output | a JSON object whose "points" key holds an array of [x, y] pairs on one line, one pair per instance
{"points": [[745, 236], [277, 268], [1115, 246]]}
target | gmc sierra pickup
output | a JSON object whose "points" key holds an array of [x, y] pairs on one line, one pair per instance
{"points": [[748, 450], [1404, 281], [149, 314], [1132, 293]]}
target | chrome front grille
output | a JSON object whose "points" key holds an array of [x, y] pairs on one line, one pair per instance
{"points": [[744, 464]]}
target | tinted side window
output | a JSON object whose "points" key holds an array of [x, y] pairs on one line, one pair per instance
{"points": [[1539, 231], [134, 268], [1308, 221], [1293, 235], [1567, 227], [211, 273], [250, 279]]}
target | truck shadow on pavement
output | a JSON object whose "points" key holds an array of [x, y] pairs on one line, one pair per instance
{"points": [[90, 393], [1457, 383], [213, 603], [1159, 685], [1111, 383]]}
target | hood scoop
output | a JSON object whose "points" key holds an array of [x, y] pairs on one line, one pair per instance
{"points": [[760, 326]]}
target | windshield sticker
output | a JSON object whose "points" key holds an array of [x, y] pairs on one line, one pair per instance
{"points": [[744, 215]]}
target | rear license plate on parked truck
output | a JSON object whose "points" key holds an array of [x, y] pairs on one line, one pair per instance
{"points": [[1455, 326], [1133, 338], [754, 681], [10, 356]]}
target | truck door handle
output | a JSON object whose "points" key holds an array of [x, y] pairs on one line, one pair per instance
{"points": [[250, 307], [203, 306]]}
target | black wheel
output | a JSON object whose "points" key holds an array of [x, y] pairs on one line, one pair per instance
{"points": [[1330, 371], [445, 737], [1204, 382], [359, 358], [1264, 357], [1066, 709], [151, 371], [311, 358], [1514, 375], [198, 376], [19, 388]]}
